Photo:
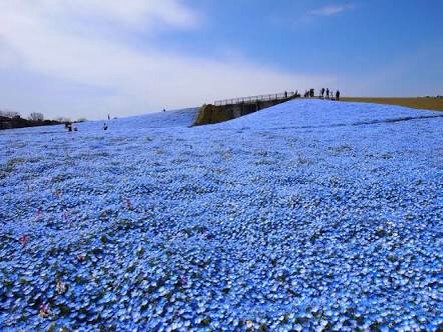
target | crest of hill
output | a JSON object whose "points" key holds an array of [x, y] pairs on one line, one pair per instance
{"points": [[306, 113], [176, 118], [170, 119]]}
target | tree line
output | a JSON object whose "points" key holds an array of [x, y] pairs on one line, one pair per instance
{"points": [[12, 119]]}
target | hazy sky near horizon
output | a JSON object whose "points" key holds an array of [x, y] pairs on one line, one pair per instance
{"points": [[88, 58]]}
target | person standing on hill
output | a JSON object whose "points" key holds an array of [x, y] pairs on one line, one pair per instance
{"points": [[337, 95]]}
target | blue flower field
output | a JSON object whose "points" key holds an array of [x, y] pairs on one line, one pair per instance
{"points": [[310, 215]]}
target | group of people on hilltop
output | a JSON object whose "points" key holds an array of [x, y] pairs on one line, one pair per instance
{"points": [[324, 94], [329, 94], [309, 93]]}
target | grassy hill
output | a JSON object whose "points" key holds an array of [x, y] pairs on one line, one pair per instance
{"points": [[430, 103]]}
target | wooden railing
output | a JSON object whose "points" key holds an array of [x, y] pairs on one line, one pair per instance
{"points": [[253, 99]]}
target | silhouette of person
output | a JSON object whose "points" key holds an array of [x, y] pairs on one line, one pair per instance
{"points": [[337, 95], [327, 93]]}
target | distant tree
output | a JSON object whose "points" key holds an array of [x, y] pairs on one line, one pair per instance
{"points": [[9, 114], [35, 116], [63, 119]]}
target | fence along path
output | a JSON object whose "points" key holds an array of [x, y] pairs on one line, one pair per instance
{"points": [[253, 99]]}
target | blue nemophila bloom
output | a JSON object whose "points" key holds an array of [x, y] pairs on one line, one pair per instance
{"points": [[309, 215]]}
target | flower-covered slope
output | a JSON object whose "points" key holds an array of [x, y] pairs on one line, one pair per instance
{"points": [[310, 214]]}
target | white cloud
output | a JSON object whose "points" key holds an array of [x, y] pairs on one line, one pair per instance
{"points": [[46, 37], [331, 10], [129, 12]]}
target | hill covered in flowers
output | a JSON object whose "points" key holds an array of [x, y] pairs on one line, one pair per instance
{"points": [[307, 215]]}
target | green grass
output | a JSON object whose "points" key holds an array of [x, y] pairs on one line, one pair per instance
{"points": [[430, 103]]}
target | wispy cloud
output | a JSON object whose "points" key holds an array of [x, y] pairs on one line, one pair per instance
{"points": [[48, 38], [331, 10]]}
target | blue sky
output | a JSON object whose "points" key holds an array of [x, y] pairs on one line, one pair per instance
{"points": [[86, 58]]}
